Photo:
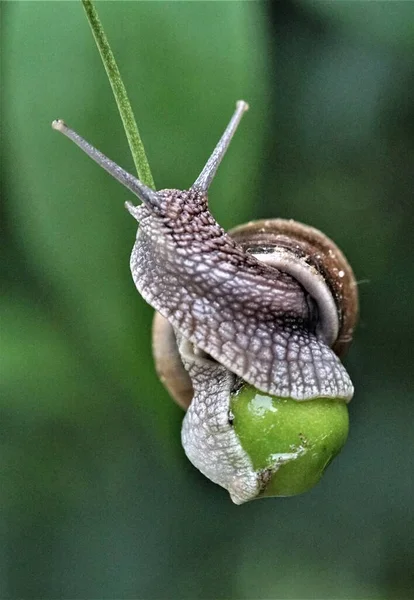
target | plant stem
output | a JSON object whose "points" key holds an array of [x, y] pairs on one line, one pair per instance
{"points": [[121, 97]]}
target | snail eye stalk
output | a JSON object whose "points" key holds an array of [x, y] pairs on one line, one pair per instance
{"points": [[144, 193], [203, 181]]}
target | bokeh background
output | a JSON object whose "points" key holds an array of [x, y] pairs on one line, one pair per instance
{"points": [[97, 497]]}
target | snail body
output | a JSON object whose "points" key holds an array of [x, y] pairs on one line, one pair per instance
{"points": [[271, 304]]}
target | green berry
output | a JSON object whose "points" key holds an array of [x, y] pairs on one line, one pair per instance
{"points": [[291, 443]]}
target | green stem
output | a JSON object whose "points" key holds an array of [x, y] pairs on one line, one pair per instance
{"points": [[121, 97]]}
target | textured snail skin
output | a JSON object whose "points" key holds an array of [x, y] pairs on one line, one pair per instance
{"points": [[253, 319], [208, 438]]}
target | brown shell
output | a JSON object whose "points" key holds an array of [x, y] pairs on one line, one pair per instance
{"points": [[319, 251], [168, 363]]}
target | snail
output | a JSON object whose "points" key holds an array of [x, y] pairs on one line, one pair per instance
{"points": [[249, 330]]}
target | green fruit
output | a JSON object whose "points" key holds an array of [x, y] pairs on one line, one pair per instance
{"points": [[290, 442]]}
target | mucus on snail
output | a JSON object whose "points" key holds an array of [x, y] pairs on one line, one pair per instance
{"points": [[271, 304]]}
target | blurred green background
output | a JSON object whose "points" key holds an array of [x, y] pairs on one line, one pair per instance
{"points": [[97, 497]]}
